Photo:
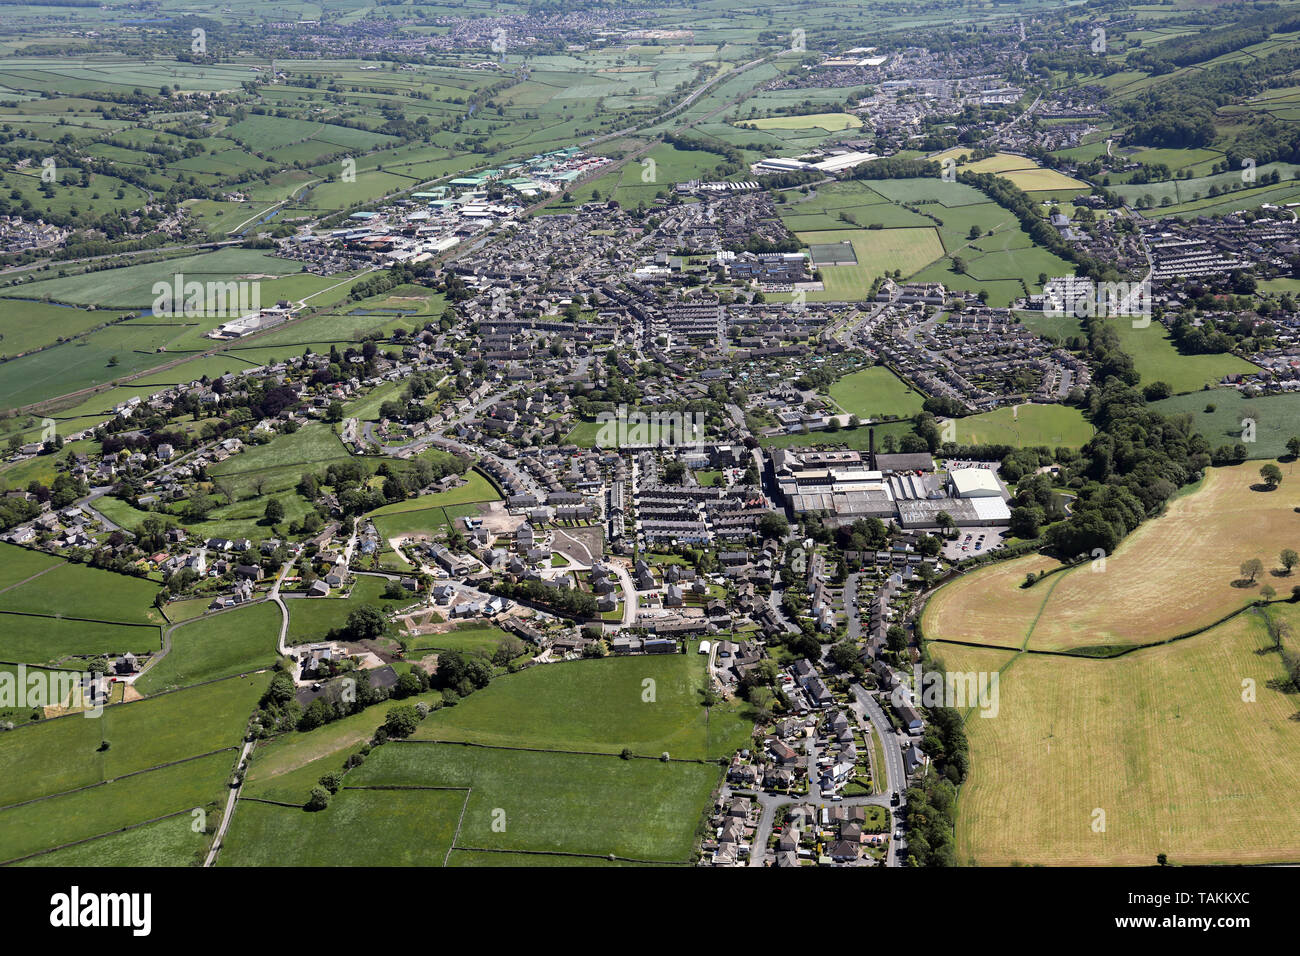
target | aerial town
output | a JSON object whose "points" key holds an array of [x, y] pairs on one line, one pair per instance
{"points": [[582, 435]]}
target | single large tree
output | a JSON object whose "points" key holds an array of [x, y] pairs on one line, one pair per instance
{"points": [[274, 511], [1252, 569]]}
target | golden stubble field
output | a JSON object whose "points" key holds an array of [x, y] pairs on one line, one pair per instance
{"points": [[1173, 575], [1160, 740]]}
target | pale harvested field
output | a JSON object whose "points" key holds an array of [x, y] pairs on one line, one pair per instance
{"points": [[1176, 573], [1160, 739], [1173, 575], [1020, 170], [989, 606], [1031, 180]]}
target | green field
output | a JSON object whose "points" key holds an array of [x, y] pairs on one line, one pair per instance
{"points": [[48, 640], [831, 122], [1057, 426], [142, 735], [476, 488], [854, 438], [1058, 328], [427, 521], [1275, 419], [83, 592], [83, 814], [233, 642], [131, 287], [533, 709], [919, 227], [557, 802], [168, 842], [31, 325], [310, 618], [383, 827], [546, 799], [1157, 360], [467, 638], [878, 251], [876, 393]]}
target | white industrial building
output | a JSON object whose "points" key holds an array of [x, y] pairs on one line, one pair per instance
{"points": [[972, 497]]}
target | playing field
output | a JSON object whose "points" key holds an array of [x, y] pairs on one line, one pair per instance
{"points": [[1166, 742], [878, 251], [1175, 574], [876, 392], [555, 802], [1026, 426]]}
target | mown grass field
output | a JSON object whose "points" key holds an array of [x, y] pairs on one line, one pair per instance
{"points": [[1173, 575], [1027, 426], [923, 238], [876, 392], [832, 122], [878, 251], [988, 605], [1021, 171], [1165, 741]]}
